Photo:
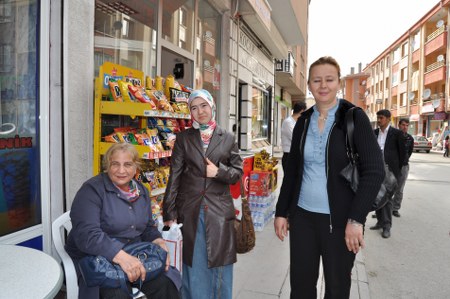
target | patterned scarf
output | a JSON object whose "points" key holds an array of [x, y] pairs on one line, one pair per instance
{"points": [[206, 130], [133, 191]]}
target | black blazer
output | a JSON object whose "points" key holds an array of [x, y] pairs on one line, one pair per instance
{"points": [[344, 203], [394, 150]]}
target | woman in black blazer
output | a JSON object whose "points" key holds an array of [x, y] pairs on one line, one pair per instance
{"points": [[316, 204]]}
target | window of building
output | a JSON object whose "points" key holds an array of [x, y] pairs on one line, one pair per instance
{"points": [[415, 43], [405, 49], [404, 74], [207, 50], [382, 65], [394, 79], [388, 62], [20, 191], [404, 99], [178, 23], [260, 114], [396, 56], [126, 35]]}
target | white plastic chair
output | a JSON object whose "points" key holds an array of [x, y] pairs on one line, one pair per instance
{"points": [[59, 228]]}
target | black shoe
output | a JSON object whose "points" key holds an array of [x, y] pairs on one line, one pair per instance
{"points": [[396, 213], [375, 227], [386, 233]]}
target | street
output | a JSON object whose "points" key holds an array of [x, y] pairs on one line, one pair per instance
{"points": [[415, 261]]}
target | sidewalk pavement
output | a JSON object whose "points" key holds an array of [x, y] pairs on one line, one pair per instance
{"points": [[263, 273]]}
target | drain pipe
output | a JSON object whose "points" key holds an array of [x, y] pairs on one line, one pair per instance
{"points": [[236, 91]]}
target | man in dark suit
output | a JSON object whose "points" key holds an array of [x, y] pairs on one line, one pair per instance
{"points": [[403, 125], [392, 144]]}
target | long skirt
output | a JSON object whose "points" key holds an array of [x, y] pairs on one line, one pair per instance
{"points": [[201, 282]]}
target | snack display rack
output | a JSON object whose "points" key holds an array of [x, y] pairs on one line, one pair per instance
{"points": [[136, 111]]}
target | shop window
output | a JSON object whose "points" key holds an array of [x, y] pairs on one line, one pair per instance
{"points": [[260, 114], [20, 195], [178, 23], [207, 50], [125, 34]]}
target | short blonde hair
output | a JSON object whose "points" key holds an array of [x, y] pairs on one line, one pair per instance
{"points": [[325, 60], [125, 147]]}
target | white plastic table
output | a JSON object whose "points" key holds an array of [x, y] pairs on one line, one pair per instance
{"points": [[28, 273]]}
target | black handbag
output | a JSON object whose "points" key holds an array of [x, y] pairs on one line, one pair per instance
{"points": [[97, 271], [244, 229], [351, 174]]}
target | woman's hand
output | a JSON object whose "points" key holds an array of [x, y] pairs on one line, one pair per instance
{"points": [[354, 237], [281, 227], [131, 265], [211, 169], [162, 243]]}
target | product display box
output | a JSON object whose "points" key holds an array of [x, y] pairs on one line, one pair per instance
{"points": [[260, 183]]}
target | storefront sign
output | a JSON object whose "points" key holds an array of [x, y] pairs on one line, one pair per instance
{"points": [[414, 117], [254, 60], [440, 116], [263, 11]]}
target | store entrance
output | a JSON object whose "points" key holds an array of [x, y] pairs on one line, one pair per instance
{"points": [[177, 65]]}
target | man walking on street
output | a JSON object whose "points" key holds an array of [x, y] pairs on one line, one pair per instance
{"points": [[392, 144], [409, 145], [286, 130]]}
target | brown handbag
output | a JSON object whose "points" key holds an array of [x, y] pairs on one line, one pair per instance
{"points": [[245, 232]]}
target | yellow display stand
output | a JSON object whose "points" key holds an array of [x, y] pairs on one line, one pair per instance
{"points": [[133, 109]]}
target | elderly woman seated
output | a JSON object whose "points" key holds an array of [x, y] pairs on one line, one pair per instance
{"points": [[109, 211]]}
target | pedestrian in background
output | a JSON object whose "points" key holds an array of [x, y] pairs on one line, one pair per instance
{"points": [[326, 218], [392, 145], [409, 146], [205, 162], [286, 130], [446, 146]]}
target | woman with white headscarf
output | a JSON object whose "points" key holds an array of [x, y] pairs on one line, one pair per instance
{"points": [[205, 161]]}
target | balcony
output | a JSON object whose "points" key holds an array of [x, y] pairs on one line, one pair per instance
{"points": [[285, 76], [435, 72], [431, 106], [436, 41]]}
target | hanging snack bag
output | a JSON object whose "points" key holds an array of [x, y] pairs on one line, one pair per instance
{"points": [[159, 83], [163, 104], [115, 91], [172, 125], [149, 82], [186, 89], [126, 94], [139, 93], [154, 139], [169, 84], [142, 139], [112, 138]]}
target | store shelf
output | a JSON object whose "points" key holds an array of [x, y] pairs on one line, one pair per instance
{"points": [[137, 109], [144, 151]]}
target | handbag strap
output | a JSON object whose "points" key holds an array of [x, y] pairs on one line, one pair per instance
{"points": [[243, 194], [350, 124]]}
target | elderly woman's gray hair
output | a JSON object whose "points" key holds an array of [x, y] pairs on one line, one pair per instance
{"points": [[125, 147]]}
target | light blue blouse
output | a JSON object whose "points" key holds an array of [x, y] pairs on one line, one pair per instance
{"points": [[313, 194]]}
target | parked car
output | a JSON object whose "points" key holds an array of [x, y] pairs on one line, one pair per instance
{"points": [[421, 144]]}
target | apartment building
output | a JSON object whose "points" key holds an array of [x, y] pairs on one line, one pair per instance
{"points": [[410, 77], [51, 52]]}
